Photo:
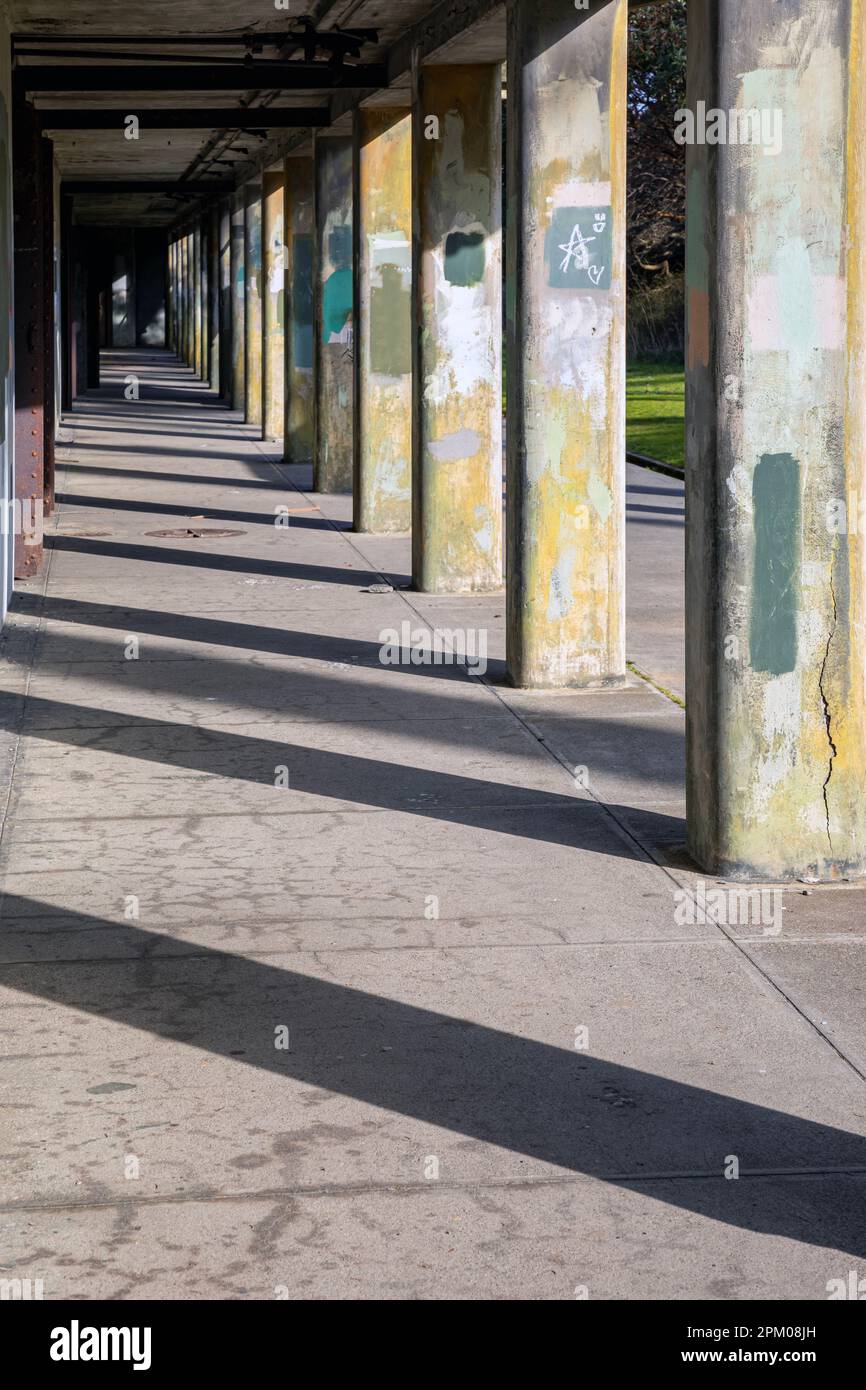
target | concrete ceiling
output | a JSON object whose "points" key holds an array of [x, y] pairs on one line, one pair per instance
{"points": [[465, 30]]}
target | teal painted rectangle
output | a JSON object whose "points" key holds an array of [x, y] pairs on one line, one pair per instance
{"points": [[776, 570], [578, 249]]}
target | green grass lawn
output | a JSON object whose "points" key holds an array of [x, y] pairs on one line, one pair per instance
{"points": [[655, 411]]}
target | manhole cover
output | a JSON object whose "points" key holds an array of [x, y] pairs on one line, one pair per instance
{"points": [[187, 532]]}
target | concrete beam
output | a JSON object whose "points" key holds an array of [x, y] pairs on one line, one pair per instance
{"points": [[218, 77], [382, 481], [182, 187], [776, 442], [298, 220], [566, 342], [333, 309], [457, 330], [184, 118]]}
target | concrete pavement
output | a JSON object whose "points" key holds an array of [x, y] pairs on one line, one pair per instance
{"points": [[325, 977]]}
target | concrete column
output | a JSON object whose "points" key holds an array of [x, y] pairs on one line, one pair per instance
{"points": [[333, 370], [565, 312], [190, 291], [204, 291], [457, 333], [298, 432], [175, 279], [274, 291], [225, 299], [776, 441], [382, 477], [171, 300], [196, 298], [28, 327], [253, 317], [213, 280], [238, 276], [186, 293]]}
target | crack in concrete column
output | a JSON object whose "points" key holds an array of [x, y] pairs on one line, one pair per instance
{"points": [[827, 718]]}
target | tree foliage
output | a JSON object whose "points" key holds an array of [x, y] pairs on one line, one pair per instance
{"points": [[656, 163]]}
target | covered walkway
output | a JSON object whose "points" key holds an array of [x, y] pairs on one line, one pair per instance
{"points": [[326, 976]]}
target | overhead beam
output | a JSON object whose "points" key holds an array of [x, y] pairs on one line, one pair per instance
{"points": [[206, 118], [221, 77], [114, 186]]}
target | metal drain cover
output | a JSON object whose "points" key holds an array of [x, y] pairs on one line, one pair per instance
{"points": [[186, 533]]}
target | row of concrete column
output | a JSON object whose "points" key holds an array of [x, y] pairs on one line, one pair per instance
{"points": [[377, 352]]}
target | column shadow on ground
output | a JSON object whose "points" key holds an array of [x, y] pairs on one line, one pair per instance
{"points": [[624, 1126]]}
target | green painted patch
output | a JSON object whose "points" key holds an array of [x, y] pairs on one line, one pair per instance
{"points": [[775, 579], [301, 303], [464, 258], [391, 324]]}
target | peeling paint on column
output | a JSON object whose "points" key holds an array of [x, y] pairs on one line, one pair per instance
{"points": [[254, 308], [566, 342], [333, 337], [383, 274], [238, 293], [457, 331], [776, 611], [274, 304], [299, 327]]}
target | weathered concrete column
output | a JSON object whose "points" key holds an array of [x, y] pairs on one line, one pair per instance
{"points": [[776, 442], [188, 302], [238, 274], [204, 284], [274, 292], [298, 431], [457, 330], [171, 298], [175, 293], [213, 280], [565, 312], [333, 336], [382, 475], [253, 315], [197, 299], [225, 299], [178, 311], [28, 325]]}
